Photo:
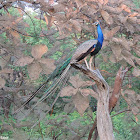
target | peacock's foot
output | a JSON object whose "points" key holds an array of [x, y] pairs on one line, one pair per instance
{"points": [[94, 68]]}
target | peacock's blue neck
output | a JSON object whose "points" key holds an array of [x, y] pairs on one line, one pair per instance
{"points": [[100, 34]]}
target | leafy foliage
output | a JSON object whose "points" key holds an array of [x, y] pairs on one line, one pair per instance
{"points": [[35, 37]]}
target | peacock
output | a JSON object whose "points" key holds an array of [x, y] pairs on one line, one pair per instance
{"points": [[90, 47]]}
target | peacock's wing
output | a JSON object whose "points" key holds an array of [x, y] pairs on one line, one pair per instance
{"points": [[83, 50]]}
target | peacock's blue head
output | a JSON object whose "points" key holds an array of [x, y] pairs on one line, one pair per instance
{"points": [[96, 23], [99, 31]]}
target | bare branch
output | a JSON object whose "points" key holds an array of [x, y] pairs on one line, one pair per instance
{"points": [[104, 124]]}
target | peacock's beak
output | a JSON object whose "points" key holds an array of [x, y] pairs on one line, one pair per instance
{"points": [[95, 23]]}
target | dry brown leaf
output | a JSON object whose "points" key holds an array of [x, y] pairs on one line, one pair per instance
{"points": [[79, 3], [68, 107], [15, 34], [129, 61], [6, 70], [47, 65], [2, 82], [46, 19], [4, 61], [137, 60], [88, 83], [20, 12], [3, 51], [34, 70], [108, 19], [126, 53], [24, 61], [137, 50], [136, 72], [76, 25], [129, 27], [110, 34], [68, 91], [116, 10], [88, 91], [116, 49], [125, 8], [127, 56], [133, 14], [136, 119], [85, 92], [105, 2], [49, 20], [132, 20], [135, 110], [38, 51], [101, 1], [122, 18], [125, 43], [81, 103], [129, 92], [112, 58], [105, 58], [76, 81]]}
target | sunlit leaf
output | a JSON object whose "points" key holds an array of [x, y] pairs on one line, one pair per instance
{"points": [[49, 20], [133, 14], [125, 8], [38, 51]]}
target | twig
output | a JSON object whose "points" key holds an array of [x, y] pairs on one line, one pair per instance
{"points": [[40, 131], [120, 112]]}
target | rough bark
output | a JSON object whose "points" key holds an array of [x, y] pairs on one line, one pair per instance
{"points": [[117, 88], [104, 124], [114, 97]]}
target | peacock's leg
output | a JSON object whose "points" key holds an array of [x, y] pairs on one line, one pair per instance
{"points": [[86, 62], [90, 62], [94, 63]]}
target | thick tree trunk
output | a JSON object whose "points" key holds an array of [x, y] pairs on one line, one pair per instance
{"points": [[114, 97], [104, 124]]}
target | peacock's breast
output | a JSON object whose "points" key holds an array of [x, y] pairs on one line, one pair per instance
{"points": [[97, 49]]}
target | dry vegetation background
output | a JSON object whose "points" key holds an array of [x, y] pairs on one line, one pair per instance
{"points": [[37, 36]]}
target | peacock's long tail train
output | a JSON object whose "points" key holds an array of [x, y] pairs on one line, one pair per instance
{"points": [[61, 71], [90, 47]]}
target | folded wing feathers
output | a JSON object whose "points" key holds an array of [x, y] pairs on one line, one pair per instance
{"points": [[82, 49]]}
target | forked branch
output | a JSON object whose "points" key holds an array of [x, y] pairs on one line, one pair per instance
{"points": [[104, 124]]}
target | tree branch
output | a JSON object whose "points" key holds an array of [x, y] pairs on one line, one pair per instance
{"points": [[115, 94], [104, 124]]}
